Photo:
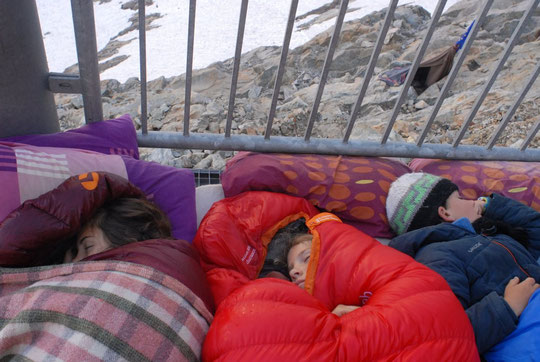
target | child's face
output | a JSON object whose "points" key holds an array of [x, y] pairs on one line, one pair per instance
{"points": [[298, 260], [90, 241], [456, 208]]}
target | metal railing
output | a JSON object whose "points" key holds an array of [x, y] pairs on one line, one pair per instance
{"points": [[88, 84]]}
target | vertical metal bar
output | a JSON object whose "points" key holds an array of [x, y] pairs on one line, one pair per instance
{"points": [[326, 68], [26, 103], [495, 72], [142, 60], [530, 136], [455, 69], [85, 38], [514, 107], [371, 66], [281, 69], [189, 65], [414, 67], [236, 67]]}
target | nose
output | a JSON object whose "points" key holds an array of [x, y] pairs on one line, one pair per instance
{"points": [[77, 256], [294, 273], [69, 255]]}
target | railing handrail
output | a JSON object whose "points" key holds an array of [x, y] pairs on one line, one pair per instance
{"points": [[82, 14]]}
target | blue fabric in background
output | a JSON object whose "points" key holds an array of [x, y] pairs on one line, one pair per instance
{"points": [[462, 39], [523, 344]]}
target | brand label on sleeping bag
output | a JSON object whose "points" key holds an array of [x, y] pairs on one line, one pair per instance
{"points": [[248, 255], [89, 180], [365, 297]]}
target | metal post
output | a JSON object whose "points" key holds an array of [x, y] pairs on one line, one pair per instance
{"points": [[85, 38], [236, 66], [142, 62], [189, 64], [326, 67], [26, 104]]}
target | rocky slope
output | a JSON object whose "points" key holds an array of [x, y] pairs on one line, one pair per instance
{"points": [[211, 86]]}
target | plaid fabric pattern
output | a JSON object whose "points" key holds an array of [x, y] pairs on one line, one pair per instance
{"points": [[99, 311]]}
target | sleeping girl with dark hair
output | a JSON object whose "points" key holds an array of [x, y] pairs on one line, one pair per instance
{"points": [[275, 263], [119, 222]]}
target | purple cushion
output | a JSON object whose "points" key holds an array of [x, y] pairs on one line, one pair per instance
{"points": [[113, 137], [27, 171], [353, 188], [517, 180], [173, 189]]}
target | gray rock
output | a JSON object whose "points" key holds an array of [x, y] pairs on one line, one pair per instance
{"points": [[197, 157], [131, 83], [204, 163], [213, 108], [254, 92], [183, 161], [198, 125], [430, 95], [163, 156], [421, 105], [77, 102], [198, 98], [110, 87], [218, 163]]}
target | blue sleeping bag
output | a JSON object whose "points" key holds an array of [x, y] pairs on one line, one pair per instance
{"points": [[523, 344]]}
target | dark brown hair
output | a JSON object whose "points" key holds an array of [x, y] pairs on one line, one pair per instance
{"points": [[126, 220], [278, 248]]}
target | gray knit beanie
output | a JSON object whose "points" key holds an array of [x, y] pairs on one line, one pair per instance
{"points": [[413, 201]]}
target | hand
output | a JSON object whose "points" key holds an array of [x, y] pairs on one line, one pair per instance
{"points": [[517, 293], [342, 309]]}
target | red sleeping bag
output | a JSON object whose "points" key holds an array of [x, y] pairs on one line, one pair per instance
{"points": [[407, 312]]}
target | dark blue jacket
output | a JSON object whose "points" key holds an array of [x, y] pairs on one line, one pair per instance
{"points": [[478, 267]]}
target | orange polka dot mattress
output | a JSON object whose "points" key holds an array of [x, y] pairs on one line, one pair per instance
{"points": [[355, 188]]}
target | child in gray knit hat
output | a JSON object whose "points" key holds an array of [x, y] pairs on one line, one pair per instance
{"points": [[488, 250]]}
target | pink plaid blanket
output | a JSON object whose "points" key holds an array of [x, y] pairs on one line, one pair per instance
{"points": [[97, 311]]}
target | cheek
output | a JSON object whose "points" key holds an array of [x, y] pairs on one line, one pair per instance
{"points": [[471, 209], [468, 211]]}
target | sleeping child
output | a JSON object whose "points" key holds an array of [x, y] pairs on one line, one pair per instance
{"points": [[339, 269], [297, 262], [119, 222], [486, 249], [288, 258], [131, 272]]}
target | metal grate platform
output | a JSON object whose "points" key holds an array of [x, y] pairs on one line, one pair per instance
{"points": [[206, 177]]}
